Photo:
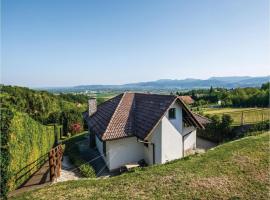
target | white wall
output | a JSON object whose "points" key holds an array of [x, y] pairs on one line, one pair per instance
{"points": [[178, 121], [172, 147], [99, 145], [155, 138], [168, 136], [190, 140], [123, 151]]}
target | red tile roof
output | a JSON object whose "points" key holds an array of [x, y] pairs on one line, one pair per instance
{"points": [[203, 120], [132, 114], [187, 99]]}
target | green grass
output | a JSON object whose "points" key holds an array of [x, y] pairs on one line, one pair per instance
{"points": [[250, 115], [235, 170]]}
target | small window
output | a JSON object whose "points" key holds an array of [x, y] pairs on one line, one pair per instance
{"points": [[104, 148], [172, 114]]}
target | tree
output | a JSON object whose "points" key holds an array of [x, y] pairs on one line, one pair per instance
{"points": [[226, 125], [265, 86]]}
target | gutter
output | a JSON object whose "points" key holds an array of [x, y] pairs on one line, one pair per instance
{"points": [[153, 145]]}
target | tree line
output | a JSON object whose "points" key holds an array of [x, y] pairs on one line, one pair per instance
{"points": [[238, 97], [47, 108]]}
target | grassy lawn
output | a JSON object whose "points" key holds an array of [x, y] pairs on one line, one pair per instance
{"points": [[250, 115], [235, 170]]}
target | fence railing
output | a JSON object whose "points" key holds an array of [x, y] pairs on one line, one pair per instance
{"points": [[55, 162]]}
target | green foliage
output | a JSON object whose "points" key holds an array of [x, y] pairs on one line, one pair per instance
{"points": [[248, 130], [28, 144], [6, 118], [69, 118], [266, 86], [219, 129], [239, 97], [75, 98], [38, 104]]}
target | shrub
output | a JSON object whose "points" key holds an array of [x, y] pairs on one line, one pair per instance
{"points": [[70, 117], [75, 128], [219, 130]]}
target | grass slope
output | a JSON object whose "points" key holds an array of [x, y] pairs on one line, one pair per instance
{"points": [[235, 170], [251, 115]]}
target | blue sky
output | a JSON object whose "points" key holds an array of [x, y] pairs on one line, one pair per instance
{"points": [[73, 42]]}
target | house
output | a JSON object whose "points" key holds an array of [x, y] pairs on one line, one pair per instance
{"points": [[135, 126], [187, 99]]}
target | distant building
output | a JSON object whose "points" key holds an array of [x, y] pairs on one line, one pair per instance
{"points": [[187, 99]]}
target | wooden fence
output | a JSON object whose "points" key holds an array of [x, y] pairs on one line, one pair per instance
{"points": [[55, 162]]}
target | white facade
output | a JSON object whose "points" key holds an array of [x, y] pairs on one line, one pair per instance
{"points": [[123, 151], [169, 140]]}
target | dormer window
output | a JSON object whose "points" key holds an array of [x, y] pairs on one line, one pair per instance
{"points": [[172, 113]]}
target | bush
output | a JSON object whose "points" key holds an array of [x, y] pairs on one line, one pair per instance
{"points": [[219, 130], [69, 118], [75, 128]]}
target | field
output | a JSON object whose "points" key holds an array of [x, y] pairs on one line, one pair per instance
{"points": [[234, 170], [101, 97], [249, 115]]}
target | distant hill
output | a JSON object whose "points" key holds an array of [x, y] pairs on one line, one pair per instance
{"points": [[162, 84]]}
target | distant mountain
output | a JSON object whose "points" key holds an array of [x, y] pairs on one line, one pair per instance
{"points": [[231, 79], [165, 84]]}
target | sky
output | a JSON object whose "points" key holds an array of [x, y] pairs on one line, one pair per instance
{"points": [[48, 43]]}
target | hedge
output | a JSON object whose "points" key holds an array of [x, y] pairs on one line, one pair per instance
{"points": [[6, 118], [27, 143]]}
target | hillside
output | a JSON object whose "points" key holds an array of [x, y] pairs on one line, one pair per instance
{"points": [[37, 104], [235, 170], [165, 84]]}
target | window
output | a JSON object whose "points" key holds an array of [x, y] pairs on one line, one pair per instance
{"points": [[104, 148], [172, 113]]}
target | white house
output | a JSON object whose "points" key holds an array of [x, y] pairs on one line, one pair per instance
{"points": [[135, 126]]}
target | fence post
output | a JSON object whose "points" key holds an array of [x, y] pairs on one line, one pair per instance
{"points": [[242, 118], [52, 164], [55, 159]]}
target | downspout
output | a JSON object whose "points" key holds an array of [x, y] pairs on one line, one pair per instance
{"points": [[183, 143], [153, 145]]}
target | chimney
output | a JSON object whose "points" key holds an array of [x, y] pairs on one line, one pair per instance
{"points": [[92, 106]]}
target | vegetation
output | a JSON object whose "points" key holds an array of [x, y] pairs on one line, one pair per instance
{"points": [[25, 145], [239, 97], [235, 170], [219, 130], [29, 129], [46, 108], [73, 151], [6, 117], [37, 104]]}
